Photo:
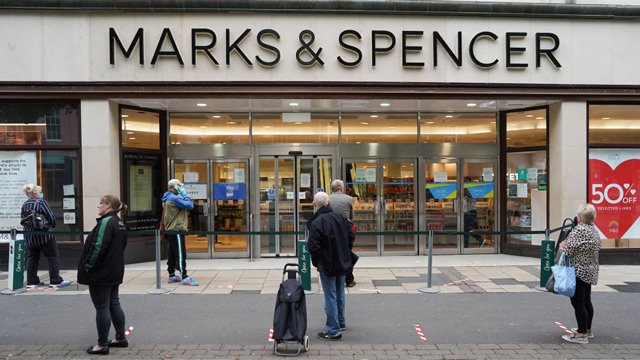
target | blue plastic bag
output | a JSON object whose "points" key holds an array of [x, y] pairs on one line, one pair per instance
{"points": [[565, 276]]}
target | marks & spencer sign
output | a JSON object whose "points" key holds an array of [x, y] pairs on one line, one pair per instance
{"points": [[264, 47]]}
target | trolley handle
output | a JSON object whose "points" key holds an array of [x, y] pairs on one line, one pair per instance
{"points": [[292, 265]]}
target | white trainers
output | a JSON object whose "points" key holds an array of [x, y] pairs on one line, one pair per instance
{"points": [[574, 339], [589, 333]]}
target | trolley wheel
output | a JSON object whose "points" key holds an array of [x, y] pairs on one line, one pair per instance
{"points": [[305, 343]]}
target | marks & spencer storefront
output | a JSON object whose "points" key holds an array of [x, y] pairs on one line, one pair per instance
{"points": [[444, 122]]}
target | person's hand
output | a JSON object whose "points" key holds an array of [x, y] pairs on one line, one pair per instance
{"points": [[182, 191]]}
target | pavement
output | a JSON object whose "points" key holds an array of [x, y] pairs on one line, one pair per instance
{"points": [[487, 307]]}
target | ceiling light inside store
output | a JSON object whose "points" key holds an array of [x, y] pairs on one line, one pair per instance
{"points": [[364, 122], [297, 123], [472, 104], [357, 142], [267, 126], [203, 127], [492, 122], [374, 116], [216, 116], [430, 122], [124, 115], [385, 104], [540, 118], [448, 116], [132, 138], [201, 104], [529, 115], [231, 122], [130, 132], [293, 104], [606, 118], [513, 124]]}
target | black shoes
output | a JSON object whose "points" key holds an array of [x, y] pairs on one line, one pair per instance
{"points": [[351, 284], [103, 351], [119, 344], [326, 336], [343, 327]]}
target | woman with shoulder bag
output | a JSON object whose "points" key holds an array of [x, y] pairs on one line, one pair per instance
{"points": [[582, 246], [101, 266], [44, 244]]}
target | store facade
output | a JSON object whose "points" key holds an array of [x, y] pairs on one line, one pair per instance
{"points": [[444, 122]]}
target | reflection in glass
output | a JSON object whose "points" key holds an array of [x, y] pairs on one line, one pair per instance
{"points": [[379, 127], [140, 129], [441, 194], [614, 124], [267, 205], [286, 204], [269, 128], [39, 123], [527, 128], [450, 127], [478, 204], [361, 183], [208, 128]]}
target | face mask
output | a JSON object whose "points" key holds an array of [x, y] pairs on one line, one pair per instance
{"points": [[41, 196]]}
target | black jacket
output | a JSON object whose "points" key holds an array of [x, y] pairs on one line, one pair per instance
{"points": [[102, 260], [330, 242]]}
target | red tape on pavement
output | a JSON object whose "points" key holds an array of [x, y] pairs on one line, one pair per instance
{"points": [[564, 328], [129, 330], [422, 337], [455, 282], [271, 334]]}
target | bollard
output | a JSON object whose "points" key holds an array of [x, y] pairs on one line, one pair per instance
{"points": [[158, 290], [16, 265], [429, 289], [547, 256], [304, 264]]}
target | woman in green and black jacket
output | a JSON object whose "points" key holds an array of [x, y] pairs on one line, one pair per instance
{"points": [[101, 267]]}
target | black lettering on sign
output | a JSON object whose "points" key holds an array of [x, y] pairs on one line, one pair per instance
{"points": [[515, 50], [235, 47], [351, 48], [547, 52], [274, 50], [114, 39], [437, 39], [406, 49], [383, 50], [472, 54], [203, 48], [306, 48], [166, 33]]}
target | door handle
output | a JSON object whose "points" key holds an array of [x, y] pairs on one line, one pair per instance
{"points": [[205, 209], [215, 208], [376, 205]]}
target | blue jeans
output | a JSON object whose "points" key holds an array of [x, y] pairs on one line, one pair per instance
{"points": [[333, 287]]}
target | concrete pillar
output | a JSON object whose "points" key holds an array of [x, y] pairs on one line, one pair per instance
{"points": [[100, 155], [568, 157]]}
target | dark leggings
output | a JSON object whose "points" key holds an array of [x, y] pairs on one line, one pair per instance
{"points": [[107, 303], [581, 302]]}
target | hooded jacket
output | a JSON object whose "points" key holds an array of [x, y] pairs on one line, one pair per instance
{"points": [[330, 242], [102, 260], [175, 211]]}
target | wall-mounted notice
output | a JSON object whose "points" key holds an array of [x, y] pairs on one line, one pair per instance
{"points": [[522, 174], [370, 175], [487, 174], [305, 180], [17, 168], [522, 191], [67, 190], [141, 188], [69, 218], [532, 175], [360, 176]]}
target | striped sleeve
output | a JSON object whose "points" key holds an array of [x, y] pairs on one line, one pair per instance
{"points": [[98, 245]]}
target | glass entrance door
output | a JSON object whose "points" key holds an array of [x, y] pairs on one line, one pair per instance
{"points": [[195, 177], [384, 195], [459, 196], [230, 207], [287, 187]]}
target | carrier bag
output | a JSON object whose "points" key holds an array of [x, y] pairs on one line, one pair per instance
{"points": [[565, 277]]}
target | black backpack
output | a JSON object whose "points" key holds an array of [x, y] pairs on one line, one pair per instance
{"points": [[35, 220]]}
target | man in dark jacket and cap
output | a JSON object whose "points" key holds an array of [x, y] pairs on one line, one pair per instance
{"points": [[330, 242]]}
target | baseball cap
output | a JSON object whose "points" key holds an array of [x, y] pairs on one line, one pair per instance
{"points": [[174, 182]]}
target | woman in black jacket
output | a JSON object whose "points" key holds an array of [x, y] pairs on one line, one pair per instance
{"points": [[102, 268]]}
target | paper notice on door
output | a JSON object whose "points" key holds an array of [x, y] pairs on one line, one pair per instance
{"points": [[305, 180], [532, 175], [67, 190], [370, 175], [238, 175], [487, 174], [360, 176], [440, 177], [190, 177], [69, 217], [290, 195], [68, 203], [302, 195], [522, 190]]}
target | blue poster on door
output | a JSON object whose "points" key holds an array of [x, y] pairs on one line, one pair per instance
{"points": [[229, 191], [441, 191], [479, 190]]}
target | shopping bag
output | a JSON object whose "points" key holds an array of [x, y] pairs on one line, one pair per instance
{"points": [[565, 277], [551, 283]]}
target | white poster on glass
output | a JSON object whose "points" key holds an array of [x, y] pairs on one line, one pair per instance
{"points": [[238, 175], [522, 191], [440, 177], [305, 180], [360, 175], [190, 177], [17, 168], [532, 175], [370, 175]]}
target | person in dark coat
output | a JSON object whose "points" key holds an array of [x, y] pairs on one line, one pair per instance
{"points": [[44, 244], [330, 242], [101, 266]]}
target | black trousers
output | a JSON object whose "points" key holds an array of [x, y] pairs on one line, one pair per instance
{"points": [[50, 251], [177, 257], [107, 303], [582, 306]]}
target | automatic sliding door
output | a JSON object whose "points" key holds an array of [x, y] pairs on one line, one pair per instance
{"points": [[441, 207], [194, 175], [398, 206], [230, 206], [361, 182], [478, 204], [286, 204]]}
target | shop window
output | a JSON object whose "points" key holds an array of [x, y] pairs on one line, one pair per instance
{"points": [[142, 190], [56, 171], [527, 128], [39, 123], [379, 128], [451, 127], [208, 128], [269, 128], [614, 190], [526, 196], [140, 129], [614, 124]]}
